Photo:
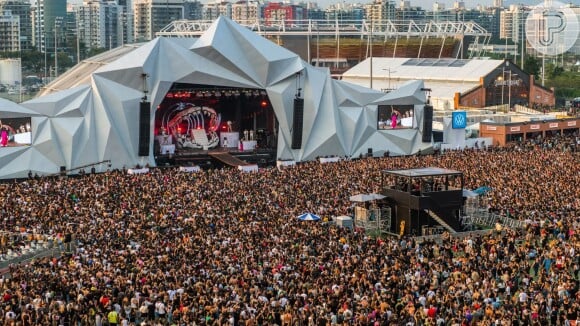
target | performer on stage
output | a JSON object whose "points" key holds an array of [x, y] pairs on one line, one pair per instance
{"points": [[225, 142], [252, 134], [4, 136]]}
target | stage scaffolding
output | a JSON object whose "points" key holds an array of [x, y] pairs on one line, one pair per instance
{"points": [[365, 29]]}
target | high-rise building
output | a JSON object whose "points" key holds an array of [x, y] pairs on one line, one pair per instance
{"points": [[497, 4], [406, 13], [126, 22], [512, 23], [9, 32], [276, 12], [47, 22], [246, 12], [345, 12], [150, 16], [20, 8], [380, 11], [212, 11], [98, 24]]}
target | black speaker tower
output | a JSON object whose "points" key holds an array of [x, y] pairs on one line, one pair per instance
{"points": [[297, 123], [144, 128], [427, 123]]}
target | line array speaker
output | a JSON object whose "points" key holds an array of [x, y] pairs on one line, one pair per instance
{"points": [[297, 123], [144, 128], [427, 123]]}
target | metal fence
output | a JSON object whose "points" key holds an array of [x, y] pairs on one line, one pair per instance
{"points": [[476, 214]]}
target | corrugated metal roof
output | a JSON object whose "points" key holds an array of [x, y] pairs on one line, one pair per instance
{"points": [[447, 69]]}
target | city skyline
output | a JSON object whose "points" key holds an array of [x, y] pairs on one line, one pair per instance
{"points": [[426, 4]]}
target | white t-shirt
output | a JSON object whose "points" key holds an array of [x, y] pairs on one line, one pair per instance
{"points": [[160, 308]]}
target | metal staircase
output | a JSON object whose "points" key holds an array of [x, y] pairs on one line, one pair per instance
{"points": [[440, 221]]}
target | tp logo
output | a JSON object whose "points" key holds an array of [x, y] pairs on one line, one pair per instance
{"points": [[552, 28]]}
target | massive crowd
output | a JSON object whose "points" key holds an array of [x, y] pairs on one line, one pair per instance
{"points": [[221, 247]]}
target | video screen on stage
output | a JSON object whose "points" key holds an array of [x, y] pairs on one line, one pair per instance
{"points": [[15, 132], [395, 117]]}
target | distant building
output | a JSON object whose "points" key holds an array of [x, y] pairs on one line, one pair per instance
{"points": [[47, 20], [20, 8], [99, 24], [512, 23], [406, 13], [380, 10], [275, 12], [211, 11], [246, 12], [9, 32], [457, 83], [150, 16], [342, 12]]}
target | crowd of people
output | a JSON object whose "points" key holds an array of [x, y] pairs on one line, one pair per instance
{"points": [[222, 247]]}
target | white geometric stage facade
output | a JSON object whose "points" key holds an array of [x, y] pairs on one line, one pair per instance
{"points": [[98, 118]]}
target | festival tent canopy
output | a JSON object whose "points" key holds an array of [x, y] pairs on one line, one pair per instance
{"points": [[469, 193], [482, 190], [366, 197], [309, 217]]}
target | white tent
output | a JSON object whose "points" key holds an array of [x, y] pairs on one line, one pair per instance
{"points": [[97, 118]]}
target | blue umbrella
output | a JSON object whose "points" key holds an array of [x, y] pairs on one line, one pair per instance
{"points": [[309, 217], [482, 190]]}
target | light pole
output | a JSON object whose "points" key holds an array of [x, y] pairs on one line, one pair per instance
{"points": [[501, 80], [510, 90], [57, 21], [45, 58], [389, 70]]}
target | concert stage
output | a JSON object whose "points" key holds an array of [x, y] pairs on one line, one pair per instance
{"points": [[194, 123], [206, 159]]}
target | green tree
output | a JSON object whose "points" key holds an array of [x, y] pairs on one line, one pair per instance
{"points": [[532, 66], [95, 51], [64, 62]]}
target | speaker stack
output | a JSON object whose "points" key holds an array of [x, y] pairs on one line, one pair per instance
{"points": [[144, 128], [297, 123], [427, 124]]}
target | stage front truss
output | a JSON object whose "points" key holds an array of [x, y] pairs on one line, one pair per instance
{"points": [[386, 29]]}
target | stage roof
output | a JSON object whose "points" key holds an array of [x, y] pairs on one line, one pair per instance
{"points": [[423, 172]]}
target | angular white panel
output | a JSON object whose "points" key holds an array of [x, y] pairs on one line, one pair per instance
{"points": [[91, 123], [12, 110]]}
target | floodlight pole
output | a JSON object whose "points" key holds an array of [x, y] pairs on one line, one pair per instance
{"points": [[371, 51]]}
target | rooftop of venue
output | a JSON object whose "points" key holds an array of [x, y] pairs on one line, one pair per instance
{"points": [[432, 69]]}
